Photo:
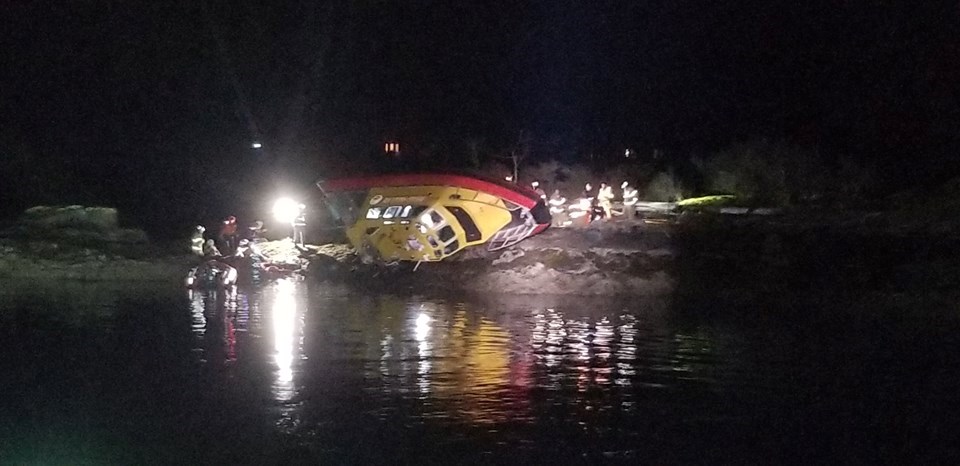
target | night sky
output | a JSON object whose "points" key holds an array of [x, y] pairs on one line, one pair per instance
{"points": [[147, 104]]}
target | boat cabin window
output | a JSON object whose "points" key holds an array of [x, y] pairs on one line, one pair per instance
{"points": [[431, 219], [393, 211], [345, 206], [466, 222], [452, 247], [446, 233]]}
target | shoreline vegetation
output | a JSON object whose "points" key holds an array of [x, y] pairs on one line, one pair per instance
{"points": [[616, 258]]}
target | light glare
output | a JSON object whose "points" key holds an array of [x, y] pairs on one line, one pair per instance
{"points": [[286, 210]]}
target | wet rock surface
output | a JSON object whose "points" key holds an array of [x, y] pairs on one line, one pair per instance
{"points": [[625, 258], [651, 256]]}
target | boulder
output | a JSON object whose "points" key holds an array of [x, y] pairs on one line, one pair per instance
{"points": [[77, 224], [75, 217]]}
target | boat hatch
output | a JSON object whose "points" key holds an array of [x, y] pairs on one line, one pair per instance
{"points": [[466, 222]]}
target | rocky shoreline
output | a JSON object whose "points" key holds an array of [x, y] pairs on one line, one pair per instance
{"points": [[617, 258], [559, 261]]}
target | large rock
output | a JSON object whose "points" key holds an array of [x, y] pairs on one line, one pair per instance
{"points": [[74, 216], [75, 223]]}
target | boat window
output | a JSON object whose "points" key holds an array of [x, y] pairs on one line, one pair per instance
{"points": [[466, 222], [446, 233], [416, 211], [373, 213], [406, 211], [452, 247], [346, 206], [431, 219], [392, 211]]}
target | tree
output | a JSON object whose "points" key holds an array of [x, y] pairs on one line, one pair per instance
{"points": [[518, 153]]}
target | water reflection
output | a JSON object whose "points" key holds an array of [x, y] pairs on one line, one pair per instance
{"points": [[486, 365], [569, 377], [284, 315], [422, 331], [475, 364]]}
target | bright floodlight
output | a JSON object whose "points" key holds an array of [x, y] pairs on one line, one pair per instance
{"points": [[286, 210], [256, 145]]}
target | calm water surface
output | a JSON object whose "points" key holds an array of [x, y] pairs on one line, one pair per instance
{"points": [[299, 373]]}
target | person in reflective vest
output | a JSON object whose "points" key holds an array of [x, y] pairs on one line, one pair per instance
{"points": [[584, 206], [196, 241], [210, 250], [539, 190], [249, 250], [605, 200], [630, 198], [299, 225], [557, 210], [228, 234], [254, 232]]}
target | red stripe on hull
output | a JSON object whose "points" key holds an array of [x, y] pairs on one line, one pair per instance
{"points": [[516, 195]]}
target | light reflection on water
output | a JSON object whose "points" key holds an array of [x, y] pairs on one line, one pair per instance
{"points": [[469, 363], [316, 369]]}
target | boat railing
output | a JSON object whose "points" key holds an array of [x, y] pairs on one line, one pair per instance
{"points": [[509, 236]]}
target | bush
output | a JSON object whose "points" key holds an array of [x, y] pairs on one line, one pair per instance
{"points": [[766, 172], [664, 187]]}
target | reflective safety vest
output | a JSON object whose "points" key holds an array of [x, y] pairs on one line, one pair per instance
{"points": [[630, 196], [196, 243], [605, 194], [556, 204], [209, 249]]}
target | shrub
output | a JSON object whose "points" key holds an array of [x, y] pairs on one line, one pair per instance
{"points": [[766, 172], [664, 187]]}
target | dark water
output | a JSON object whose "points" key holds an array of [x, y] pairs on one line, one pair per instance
{"points": [[302, 373]]}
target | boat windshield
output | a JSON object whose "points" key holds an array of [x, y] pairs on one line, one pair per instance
{"points": [[388, 212], [345, 206]]}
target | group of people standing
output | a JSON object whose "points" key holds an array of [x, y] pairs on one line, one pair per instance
{"points": [[590, 206], [229, 239]]}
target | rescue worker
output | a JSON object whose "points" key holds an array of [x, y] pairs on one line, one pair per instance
{"points": [[210, 250], [196, 241], [557, 210], [299, 225], [588, 192], [249, 250], [228, 234], [539, 190], [584, 207], [605, 200], [212, 270], [630, 198], [254, 232]]}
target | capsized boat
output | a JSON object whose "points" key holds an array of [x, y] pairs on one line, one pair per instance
{"points": [[429, 217]]}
